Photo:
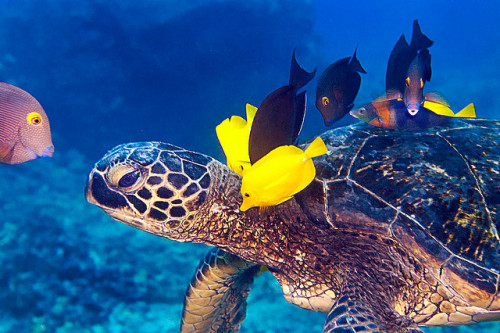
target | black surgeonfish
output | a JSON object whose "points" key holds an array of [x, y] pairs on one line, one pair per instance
{"points": [[400, 59], [337, 87], [279, 117], [418, 73]]}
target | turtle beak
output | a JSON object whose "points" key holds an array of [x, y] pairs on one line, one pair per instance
{"points": [[87, 193]]}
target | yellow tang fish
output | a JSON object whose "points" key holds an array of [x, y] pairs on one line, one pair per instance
{"points": [[233, 135], [280, 174]]}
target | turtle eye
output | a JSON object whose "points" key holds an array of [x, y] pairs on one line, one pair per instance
{"points": [[129, 179], [125, 177], [34, 118], [408, 81], [325, 101]]}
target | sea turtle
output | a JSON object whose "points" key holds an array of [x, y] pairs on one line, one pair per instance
{"points": [[399, 229]]}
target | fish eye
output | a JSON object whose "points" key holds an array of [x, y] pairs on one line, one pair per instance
{"points": [[125, 177], [362, 110], [421, 83], [408, 81], [325, 101], [247, 195], [34, 118]]}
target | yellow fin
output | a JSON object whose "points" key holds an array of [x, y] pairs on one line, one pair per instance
{"points": [[251, 111], [439, 108], [316, 148], [280, 174], [467, 112], [233, 134]]}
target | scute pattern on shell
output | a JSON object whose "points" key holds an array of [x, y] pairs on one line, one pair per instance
{"points": [[437, 192]]}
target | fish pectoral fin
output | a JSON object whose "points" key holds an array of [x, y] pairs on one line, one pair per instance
{"points": [[436, 98], [283, 200], [390, 94], [5, 149], [467, 112]]}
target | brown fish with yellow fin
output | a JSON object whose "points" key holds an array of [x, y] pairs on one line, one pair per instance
{"points": [[24, 127], [393, 114]]}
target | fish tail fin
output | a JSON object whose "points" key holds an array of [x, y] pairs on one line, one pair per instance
{"points": [[419, 41], [355, 64], [467, 112], [316, 148], [298, 76]]}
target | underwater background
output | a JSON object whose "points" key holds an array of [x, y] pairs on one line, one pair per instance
{"points": [[114, 71]]}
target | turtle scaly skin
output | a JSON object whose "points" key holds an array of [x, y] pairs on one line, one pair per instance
{"points": [[398, 229]]}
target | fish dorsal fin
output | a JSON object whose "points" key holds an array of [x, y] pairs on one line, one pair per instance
{"points": [[467, 112], [401, 44], [251, 111], [316, 148], [419, 41], [355, 64], [298, 76], [390, 94], [397, 65]]}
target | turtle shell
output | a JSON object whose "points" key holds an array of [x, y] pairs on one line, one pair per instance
{"points": [[436, 191]]}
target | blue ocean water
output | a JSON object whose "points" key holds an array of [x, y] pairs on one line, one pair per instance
{"points": [[114, 71]]}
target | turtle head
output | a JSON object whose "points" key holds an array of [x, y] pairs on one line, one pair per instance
{"points": [[152, 186]]}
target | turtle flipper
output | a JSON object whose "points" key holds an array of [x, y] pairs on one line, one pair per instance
{"points": [[216, 297], [356, 311]]}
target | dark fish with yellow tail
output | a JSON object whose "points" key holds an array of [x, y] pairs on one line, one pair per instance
{"points": [[279, 118], [337, 88], [24, 127], [401, 57], [418, 73]]}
